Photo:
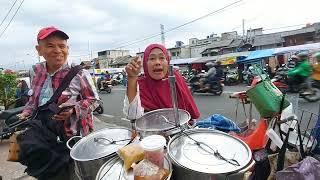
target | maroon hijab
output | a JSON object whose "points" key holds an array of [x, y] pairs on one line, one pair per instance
{"points": [[155, 94]]}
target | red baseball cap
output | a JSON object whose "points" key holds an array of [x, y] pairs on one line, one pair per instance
{"points": [[45, 32]]}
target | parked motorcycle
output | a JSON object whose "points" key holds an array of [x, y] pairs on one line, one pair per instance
{"points": [[9, 122], [216, 87], [99, 109], [232, 78], [248, 77]]}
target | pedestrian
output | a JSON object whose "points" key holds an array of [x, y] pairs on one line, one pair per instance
{"points": [[124, 77], [152, 90], [43, 145], [22, 96]]}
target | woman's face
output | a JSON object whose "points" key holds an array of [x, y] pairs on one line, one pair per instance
{"points": [[157, 64]]}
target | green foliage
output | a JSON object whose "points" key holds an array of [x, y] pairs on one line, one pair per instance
{"points": [[8, 85]]}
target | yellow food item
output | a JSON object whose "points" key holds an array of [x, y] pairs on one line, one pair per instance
{"points": [[130, 154]]}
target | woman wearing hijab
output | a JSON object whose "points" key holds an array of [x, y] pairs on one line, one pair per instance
{"points": [[151, 91]]}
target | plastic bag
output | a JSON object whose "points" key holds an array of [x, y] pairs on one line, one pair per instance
{"points": [[130, 154], [257, 139], [219, 122], [146, 170]]}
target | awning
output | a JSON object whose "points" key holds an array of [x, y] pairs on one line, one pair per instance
{"points": [[204, 59], [182, 61], [221, 57], [289, 49], [255, 55]]}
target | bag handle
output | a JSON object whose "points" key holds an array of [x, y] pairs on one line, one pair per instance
{"points": [[281, 156], [64, 84], [256, 67]]}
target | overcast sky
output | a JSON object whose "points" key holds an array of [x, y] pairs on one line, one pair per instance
{"points": [[108, 24]]}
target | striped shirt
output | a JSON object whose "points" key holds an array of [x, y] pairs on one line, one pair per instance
{"points": [[81, 92]]}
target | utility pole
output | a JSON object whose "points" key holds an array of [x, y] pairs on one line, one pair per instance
{"points": [[243, 28], [162, 34], [94, 64]]}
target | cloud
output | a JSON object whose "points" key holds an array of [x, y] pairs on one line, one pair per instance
{"points": [[100, 25]]}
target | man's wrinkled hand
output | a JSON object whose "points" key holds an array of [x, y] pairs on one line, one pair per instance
{"points": [[64, 115], [23, 116]]}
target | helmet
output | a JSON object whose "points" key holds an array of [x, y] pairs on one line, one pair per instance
{"points": [[303, 55], [294, 57], [210, 64]]}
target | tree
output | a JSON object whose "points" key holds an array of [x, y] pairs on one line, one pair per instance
{"points": [[8, 85]]}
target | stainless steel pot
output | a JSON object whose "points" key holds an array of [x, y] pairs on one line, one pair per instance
{"points": [[194, 154], [92, 151], [161, 122]]}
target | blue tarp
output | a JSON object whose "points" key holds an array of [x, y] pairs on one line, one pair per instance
{"points": [[255, 55]]}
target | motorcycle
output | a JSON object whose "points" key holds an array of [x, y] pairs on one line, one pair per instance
{"points": [[311, 94], [232, 78], [99, 109], [9, 122], [216, 87], [248, 77], [107, 86]]}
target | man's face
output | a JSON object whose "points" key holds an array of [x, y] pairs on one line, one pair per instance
{"points": [[54, 49], [157, 64]]}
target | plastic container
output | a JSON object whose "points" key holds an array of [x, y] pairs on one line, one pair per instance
{"points": [[153, 147]]}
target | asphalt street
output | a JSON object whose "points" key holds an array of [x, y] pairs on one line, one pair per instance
{"points": [[207, 104]]}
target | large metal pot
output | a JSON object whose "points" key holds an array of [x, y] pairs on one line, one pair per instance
{"points": [[161, 122], [92, 151], [113, 169], [193, 155]]}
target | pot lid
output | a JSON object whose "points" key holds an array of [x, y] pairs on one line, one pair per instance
{"points": [[184, 151], [161, 120], [100, 144], [113, 169]]}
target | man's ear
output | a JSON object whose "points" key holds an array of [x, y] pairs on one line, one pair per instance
{"points": [[38, 48]]}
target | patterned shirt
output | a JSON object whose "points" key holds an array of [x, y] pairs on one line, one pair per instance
{"points": [[81, 92]]}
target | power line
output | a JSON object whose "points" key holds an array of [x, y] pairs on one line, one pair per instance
{"points": [[284, 27], [8, 12], [177, 27], [15, 13]]}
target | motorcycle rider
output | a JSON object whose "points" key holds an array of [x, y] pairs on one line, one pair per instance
{"points": [[301, 72], [215, 73], [292, 61], [104, 78]]}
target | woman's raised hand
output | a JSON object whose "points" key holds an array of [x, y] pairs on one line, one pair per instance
{"points": [[133, 69]]}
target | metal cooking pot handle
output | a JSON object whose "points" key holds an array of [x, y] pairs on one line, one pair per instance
{"points": [[247, 168], [70, 140]]}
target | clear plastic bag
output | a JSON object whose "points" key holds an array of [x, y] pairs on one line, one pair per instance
{"points": [[130, 154], [146, 170]]}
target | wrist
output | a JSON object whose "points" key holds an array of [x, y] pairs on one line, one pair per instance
{"points": [[133, 77]]}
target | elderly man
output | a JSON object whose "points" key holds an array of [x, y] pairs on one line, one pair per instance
{"points": [[81, 96]]}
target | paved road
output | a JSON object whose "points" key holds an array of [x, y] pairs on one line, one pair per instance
{"points": [[207, 104]]}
